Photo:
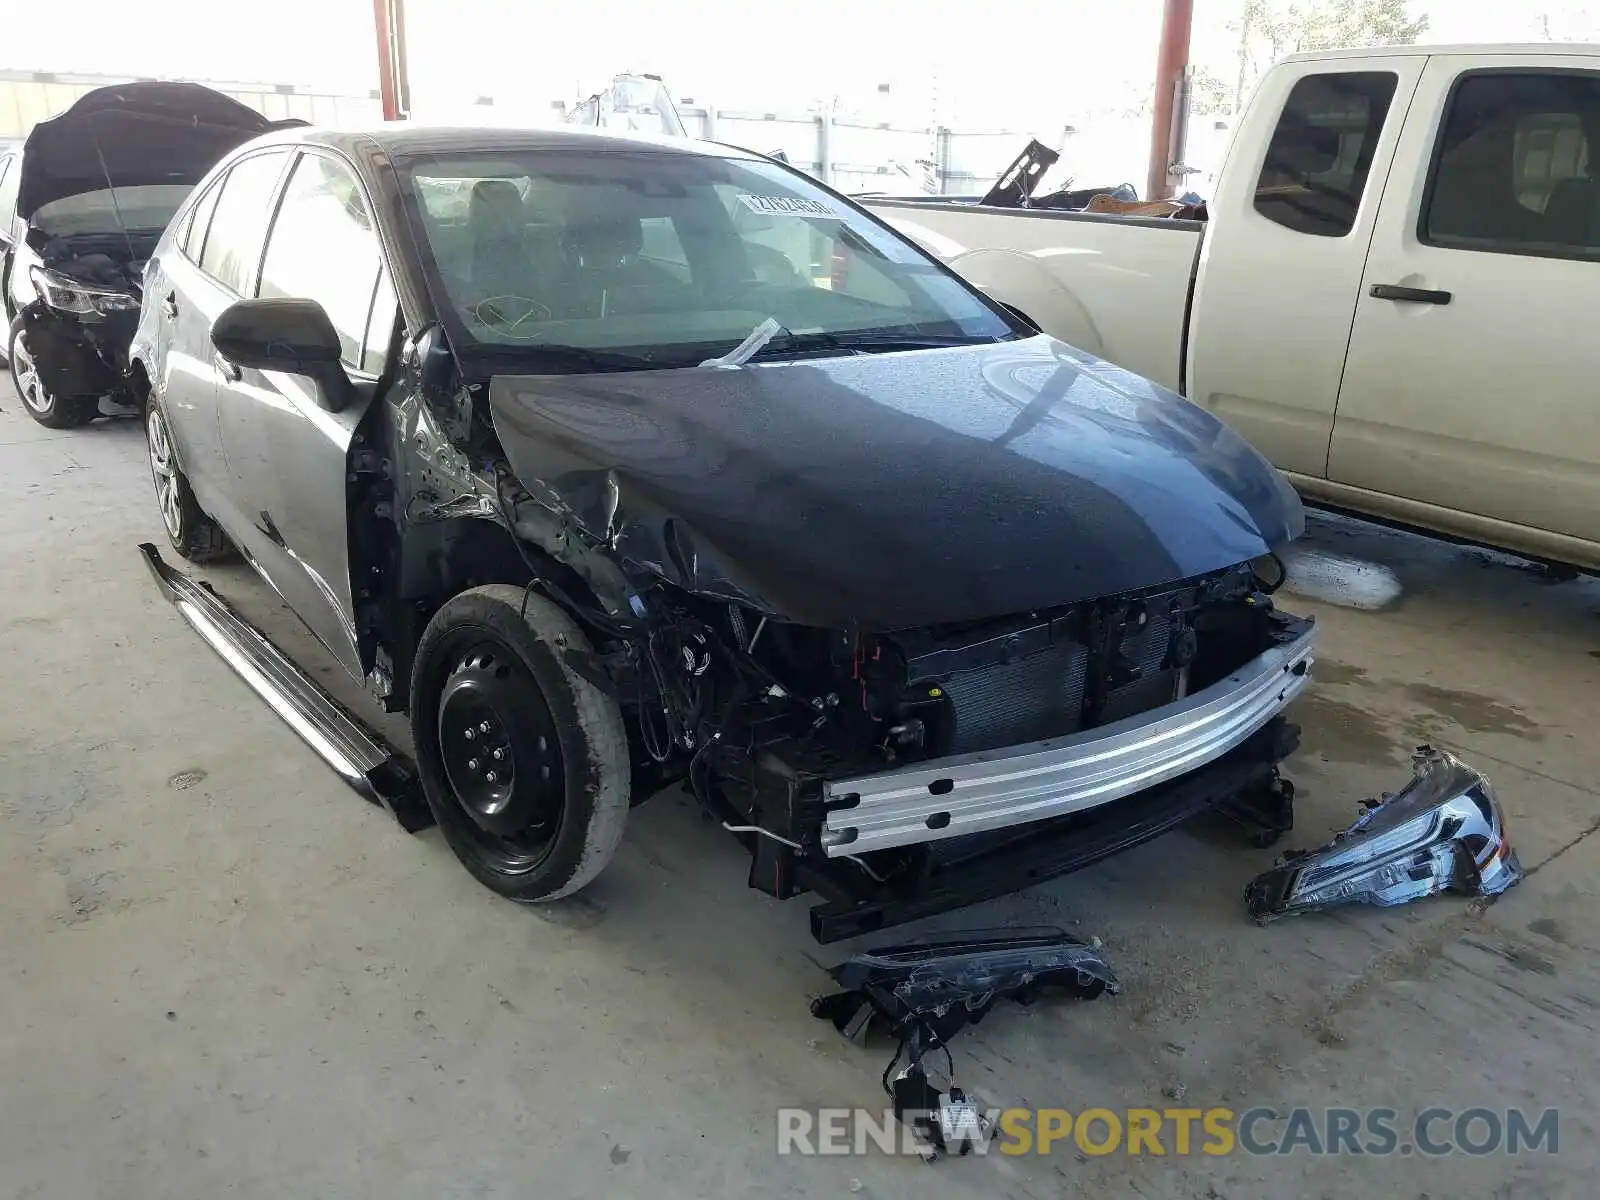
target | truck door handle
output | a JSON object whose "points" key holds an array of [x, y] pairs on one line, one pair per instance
{"points": [[170, 305], [1410, 295], [231, 371]]}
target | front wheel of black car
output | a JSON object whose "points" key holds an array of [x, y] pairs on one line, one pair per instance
{"points": [[523, 760], [42, 404], [192, 533]]}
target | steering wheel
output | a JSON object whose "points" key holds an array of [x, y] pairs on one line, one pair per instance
{"points": [[496, 312]]}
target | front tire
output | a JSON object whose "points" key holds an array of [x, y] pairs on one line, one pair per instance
{"points": [[523, 761], [192, 533], [40, 403]]}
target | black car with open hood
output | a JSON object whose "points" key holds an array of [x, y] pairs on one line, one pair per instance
{"points": [[614, 462], [97, 185]]}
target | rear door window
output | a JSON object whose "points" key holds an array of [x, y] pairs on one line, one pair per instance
{"points": [[1513, 169], [1317, 163], [233, 240], [192, 237]]}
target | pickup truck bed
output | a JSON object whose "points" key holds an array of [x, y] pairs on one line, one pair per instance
{"points": [[1138, 271]]}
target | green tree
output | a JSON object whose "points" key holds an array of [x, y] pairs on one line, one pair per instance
{"points": [[1210, 94], [1269, 29]]}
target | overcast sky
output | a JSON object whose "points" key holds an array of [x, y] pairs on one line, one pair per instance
{"points": [[977, 65]]}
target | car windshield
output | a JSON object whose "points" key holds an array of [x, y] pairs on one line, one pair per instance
{"points": [[612, 258]]}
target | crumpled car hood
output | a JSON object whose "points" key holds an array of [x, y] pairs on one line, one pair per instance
{"points": [[897, 490], [138, 134]]}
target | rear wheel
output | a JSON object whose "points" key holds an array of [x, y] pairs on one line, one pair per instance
{"points": [[192, 533], [43, 405], [524, 762]]}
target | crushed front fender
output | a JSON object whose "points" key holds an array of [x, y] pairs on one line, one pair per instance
{"points": [[1444, 831]]}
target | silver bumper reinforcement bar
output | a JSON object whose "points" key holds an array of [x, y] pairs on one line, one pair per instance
{"points": [[993, 789]]}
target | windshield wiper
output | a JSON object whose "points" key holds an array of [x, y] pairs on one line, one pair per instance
{"points": [[862, 342], [771, 340], [867, 341], [576, 356], [786, 342]]}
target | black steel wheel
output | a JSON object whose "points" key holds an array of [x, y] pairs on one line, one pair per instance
{"points": [[523, 761]]}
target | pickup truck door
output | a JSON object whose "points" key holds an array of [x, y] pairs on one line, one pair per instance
{"points": [[288, 452], [1470, 383], [1284, 247]]}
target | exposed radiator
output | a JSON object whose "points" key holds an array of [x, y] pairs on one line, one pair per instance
{"points": [[1147, 650], [1042, 695], [1035, 697]]}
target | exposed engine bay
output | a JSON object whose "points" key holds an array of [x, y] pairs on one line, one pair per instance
{"points": [[89, 289], [764, 717], [112, 260], [98, 184]]}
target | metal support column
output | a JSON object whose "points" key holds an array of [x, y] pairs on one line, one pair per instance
{"points": [[1172, 65], [394, 86]]}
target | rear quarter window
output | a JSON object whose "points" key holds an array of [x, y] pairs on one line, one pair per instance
{"points": [[1320, 155]]}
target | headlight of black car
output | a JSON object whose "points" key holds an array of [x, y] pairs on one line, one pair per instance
{"points": [[67, 296]]}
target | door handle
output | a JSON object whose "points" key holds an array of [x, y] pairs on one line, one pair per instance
{"points": [[170, 305], [231, 371], [1409, 295]]}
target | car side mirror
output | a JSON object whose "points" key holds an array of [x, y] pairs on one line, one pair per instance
{"points": [[289, 335]]}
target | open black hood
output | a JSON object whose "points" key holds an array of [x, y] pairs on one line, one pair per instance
{"points": [[897, 490], [135, 133]]}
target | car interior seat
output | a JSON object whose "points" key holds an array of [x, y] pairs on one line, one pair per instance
{"points": [[495, 216], [606, 274], [1570, 212]]}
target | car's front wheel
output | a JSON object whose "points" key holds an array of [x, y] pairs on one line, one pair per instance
{"points": [[524, 761], [191, 531], [42, 404]]}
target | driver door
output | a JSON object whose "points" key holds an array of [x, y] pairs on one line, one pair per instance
{"points": [[287, 451]]}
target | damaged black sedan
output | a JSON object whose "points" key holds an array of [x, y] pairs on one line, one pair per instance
{"points": [[82, 205], [614, 463]]}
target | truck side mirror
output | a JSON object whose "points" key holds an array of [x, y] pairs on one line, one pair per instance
{"points": [[289, 335]]}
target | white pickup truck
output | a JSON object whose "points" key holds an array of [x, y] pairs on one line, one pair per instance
{"points": [[1390, 294]]}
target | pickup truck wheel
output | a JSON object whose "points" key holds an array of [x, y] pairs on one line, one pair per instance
{"points": [[524, 762], [192, 533], [43, 405]]}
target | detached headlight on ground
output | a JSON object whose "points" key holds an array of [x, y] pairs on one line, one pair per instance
{"points": [[1444, 831], [66, 295]]}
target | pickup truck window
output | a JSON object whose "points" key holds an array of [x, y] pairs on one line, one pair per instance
{"points": [[1321, 152], [1512, 166]]}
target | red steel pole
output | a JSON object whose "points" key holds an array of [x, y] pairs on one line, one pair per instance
{"points": [[1171, 63], [389, 22]]}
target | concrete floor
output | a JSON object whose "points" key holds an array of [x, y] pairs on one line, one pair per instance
{"points": [[221, 971]]}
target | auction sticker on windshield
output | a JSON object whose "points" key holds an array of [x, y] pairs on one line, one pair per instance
{"points": [[787, 206]]}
